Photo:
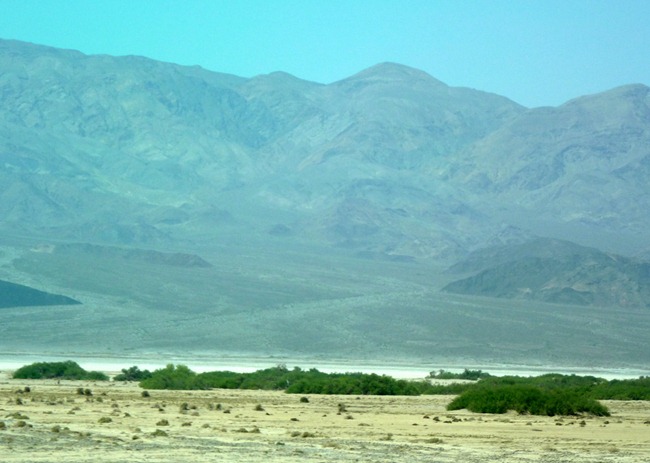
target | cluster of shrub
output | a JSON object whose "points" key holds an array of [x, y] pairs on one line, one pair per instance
{"points": [[294, 381], [528, 396], [58, 370], [551, 394]]}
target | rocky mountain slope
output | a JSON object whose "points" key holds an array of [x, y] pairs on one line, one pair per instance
{"points": [[389, 161], [127, 150], [136, 185], [579, 170], [555, 271]]}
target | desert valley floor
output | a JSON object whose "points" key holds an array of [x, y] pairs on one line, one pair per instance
{"points": [[56, 422]]}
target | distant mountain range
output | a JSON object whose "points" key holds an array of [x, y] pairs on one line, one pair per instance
{"points": [[133, 159]]}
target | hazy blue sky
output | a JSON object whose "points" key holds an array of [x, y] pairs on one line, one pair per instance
{"points": [[534, 52]]}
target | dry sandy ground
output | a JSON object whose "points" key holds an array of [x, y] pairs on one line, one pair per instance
{"points": [[54, 423]]}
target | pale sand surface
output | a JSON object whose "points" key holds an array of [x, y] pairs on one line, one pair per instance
{"points": [[59, 425]]}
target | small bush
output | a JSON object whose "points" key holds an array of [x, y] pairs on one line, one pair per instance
{"points": [[105, 419], [467, 374], [57, 370], [132, 374]]}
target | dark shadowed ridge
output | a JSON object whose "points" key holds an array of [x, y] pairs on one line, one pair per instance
{"points": [[15, 295]]}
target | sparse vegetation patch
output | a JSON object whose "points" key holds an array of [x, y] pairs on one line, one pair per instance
{"points": [[551, 394]]}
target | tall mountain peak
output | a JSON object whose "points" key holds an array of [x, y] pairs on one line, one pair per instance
{"points": [[391, 74], [631, 96]]}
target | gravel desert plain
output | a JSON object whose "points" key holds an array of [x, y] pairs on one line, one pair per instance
{"points": [[82, 421]]}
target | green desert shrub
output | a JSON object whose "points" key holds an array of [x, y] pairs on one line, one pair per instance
{"points": [[177, 377], [57, 370], [467, 374], [314, 382], [625, 389], [132, 374], [527, 399]]}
